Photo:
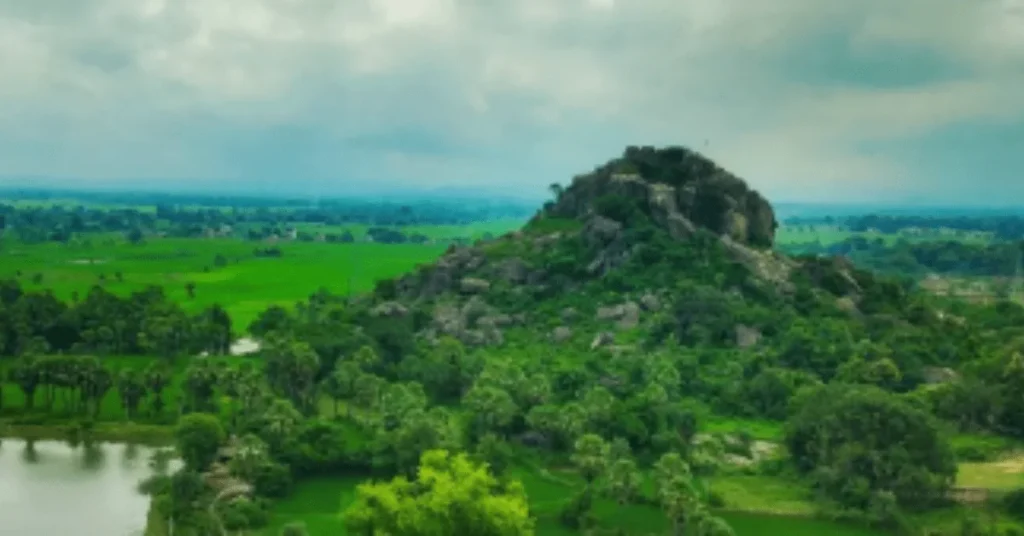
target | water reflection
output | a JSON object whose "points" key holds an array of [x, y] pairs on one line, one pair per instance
{"points": [[29, 454], [94, 495], [94, 456]]}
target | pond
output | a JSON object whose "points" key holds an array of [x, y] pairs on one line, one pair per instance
{"points": [[52, 487]]}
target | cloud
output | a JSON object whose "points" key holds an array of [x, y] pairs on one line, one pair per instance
{"points": [[801, 97]]}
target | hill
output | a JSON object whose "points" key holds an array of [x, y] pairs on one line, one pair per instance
{"points": [[661, 243]]}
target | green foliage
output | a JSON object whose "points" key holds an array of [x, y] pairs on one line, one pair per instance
{"points": [[198, 437], [857, 442], [451, 495]]}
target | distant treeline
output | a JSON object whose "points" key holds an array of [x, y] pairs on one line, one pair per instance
{"points": [[1003, 227], [60, 222], [948, 257]]}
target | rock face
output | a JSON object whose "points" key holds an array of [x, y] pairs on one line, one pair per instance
{"points": [[680, 189]]}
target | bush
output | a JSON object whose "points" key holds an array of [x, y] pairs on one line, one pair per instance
{"points": [[1013, 503]]}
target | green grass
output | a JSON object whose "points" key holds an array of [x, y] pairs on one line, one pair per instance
{"points": [[1004, 473], [758, 429], [317, 502], [245, 287], [760, 493]]}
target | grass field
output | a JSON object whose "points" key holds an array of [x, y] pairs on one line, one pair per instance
{"points": [[246, 286]]}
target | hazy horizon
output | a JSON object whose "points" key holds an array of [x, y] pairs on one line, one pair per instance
{"points": [[915, 102]]}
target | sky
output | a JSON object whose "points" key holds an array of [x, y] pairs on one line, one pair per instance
{"points": [[807, 100]]}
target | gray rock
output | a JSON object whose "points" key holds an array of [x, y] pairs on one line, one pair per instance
{"points": [[472, 285], [602, 339], [569, 314], [499, 320], [600, 231], [747, 336], [513, 270], [626, 315], [740, 213], [612, 312], [650, 302], [561, 334], [939, 375], [389, 309], [630, 316]]}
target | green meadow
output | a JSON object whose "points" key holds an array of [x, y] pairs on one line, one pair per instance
{"points": [[246, 285]]}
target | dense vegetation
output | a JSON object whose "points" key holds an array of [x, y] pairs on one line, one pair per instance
{"points": [[1001, 226], [916, 258], [590, 351], [41, 218]]}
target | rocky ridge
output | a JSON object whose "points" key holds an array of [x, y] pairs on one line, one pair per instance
{"points": [[475, 293]]}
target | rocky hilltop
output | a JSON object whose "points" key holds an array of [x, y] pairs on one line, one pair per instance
{"points": [[680, 189], [655, 229]]}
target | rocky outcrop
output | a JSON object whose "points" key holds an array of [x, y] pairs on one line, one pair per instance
{"points": [[473, 285], [561, 334], [680, 189], [626, 315], [474, 323], [390, 309], [602, 339], [747, 336]]}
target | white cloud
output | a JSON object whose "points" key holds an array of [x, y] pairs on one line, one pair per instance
{"points": [[122, 88]]}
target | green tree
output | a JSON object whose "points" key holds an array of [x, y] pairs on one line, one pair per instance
{"points": [[291, 370], [493, 409], [451, 495], [623, 480], [590, 456], [858, 441], [198, 437]]}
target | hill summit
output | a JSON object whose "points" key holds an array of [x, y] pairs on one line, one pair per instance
{"points": [[657, 244], [680, 189]]}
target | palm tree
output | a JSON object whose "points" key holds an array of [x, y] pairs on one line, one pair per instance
{"points": [[623, 480]]}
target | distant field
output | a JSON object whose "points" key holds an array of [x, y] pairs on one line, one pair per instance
{"points": [[831, 234], [435, 232], [245, 286]]}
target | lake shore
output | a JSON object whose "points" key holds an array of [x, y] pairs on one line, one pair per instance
{"points": [[138, 434]]}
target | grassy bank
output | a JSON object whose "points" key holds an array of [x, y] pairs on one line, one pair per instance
{"points": [[138, 434]]}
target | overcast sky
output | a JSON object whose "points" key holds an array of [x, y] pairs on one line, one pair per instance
{"points": [[853, 100]]}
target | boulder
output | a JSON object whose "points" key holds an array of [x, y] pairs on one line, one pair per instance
{"points": [[650, 302], [602, 339], [513, 270], [561, 334], [390, 309], [472, 285], [747, 336]]}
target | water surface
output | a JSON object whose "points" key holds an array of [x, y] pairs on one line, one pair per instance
{"points": [[50, 488]]}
